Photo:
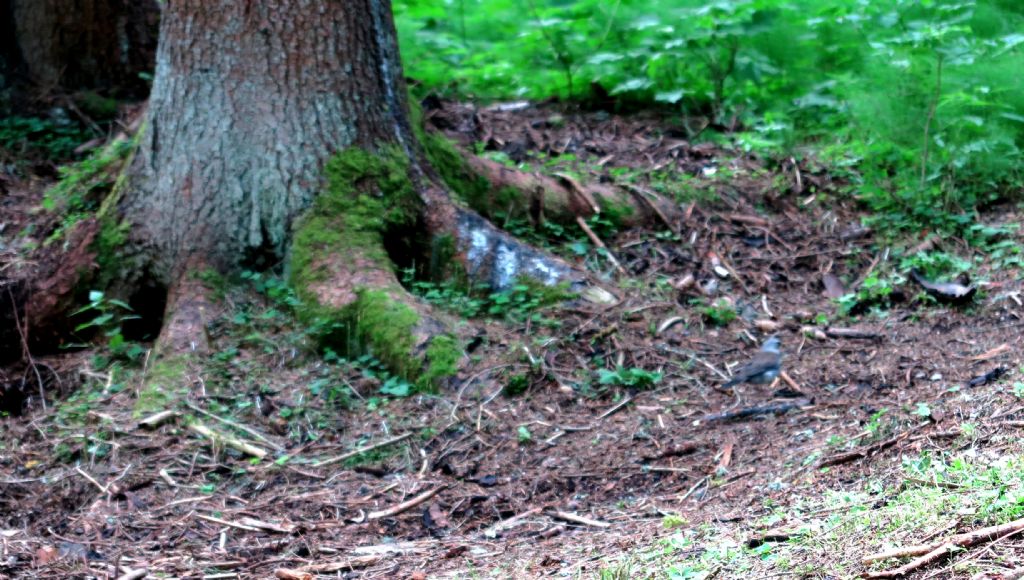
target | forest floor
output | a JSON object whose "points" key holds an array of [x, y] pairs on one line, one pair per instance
{"points": [[652, 472]]}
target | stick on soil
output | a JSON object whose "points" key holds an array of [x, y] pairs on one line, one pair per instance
{"points": [[577, 519], [930, 553], [362, 450], [405, 505], [597, 242], [232, 442]]}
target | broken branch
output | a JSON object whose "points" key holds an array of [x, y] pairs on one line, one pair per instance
{"points": [[237, 444], [933, 552], [405, 505], [577, 519], [597, 242]]}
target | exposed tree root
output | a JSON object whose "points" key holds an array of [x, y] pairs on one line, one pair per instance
{"points": [[182, 345], [52, 287], [352, 290], [930, 553], [189, 309], [561, 198], [491, 189], [350, 293], [489, 254]]}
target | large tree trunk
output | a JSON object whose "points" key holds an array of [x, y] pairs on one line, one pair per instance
{"points": [[250, 101], [83, 44]]}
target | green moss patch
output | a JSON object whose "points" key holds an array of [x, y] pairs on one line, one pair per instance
{"points": [[164, 386], [442, 360], [367, 194]]}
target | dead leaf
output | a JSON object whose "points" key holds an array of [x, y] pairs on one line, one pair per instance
{"points": [[437, 515]]}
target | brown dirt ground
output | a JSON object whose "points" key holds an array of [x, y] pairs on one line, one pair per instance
{"points": [[84, 490]]}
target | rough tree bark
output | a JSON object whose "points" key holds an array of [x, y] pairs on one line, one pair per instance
{"points": [[84, 44], [280, 130]]}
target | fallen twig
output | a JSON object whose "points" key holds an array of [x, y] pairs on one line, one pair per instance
{"points": [[26, 353], [694, 488], [156, 419], [518, 519], [597, 242], [362, 450], [405, 505], [575, 188], [1002, 348], [238, 426], [864, 276], [354, 562], [869, 450], [227, 523], [90, 479], [850, 333], [748, 219], [789, 381], [641, 195], [133, 574], [929, 553], [238, 444], [616, 408], [577, 519]]}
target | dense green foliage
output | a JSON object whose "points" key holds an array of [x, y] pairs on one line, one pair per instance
{"points": [[22, 137], [920, 101]]}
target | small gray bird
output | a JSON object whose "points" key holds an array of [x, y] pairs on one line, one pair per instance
{"points": [[762, 368]]}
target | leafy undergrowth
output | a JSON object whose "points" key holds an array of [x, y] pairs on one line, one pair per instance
{"points": [[917, 103]]}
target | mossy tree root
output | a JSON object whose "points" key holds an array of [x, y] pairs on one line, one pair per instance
{"points": [[491, 189], [346, 281], [183, 343]]}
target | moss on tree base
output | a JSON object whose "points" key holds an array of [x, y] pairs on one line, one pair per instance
{"points": [[164, 386], [345, 280]]}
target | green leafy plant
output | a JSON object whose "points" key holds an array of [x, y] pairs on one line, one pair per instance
{"points": [[719, 313], [107, 318], [39, 136], [524, 435], [874, 292], [628, 377], [518, 303], [942, 138], [934, 265]]}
